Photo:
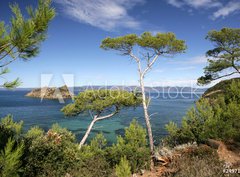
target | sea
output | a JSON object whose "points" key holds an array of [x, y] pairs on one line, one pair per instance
{"points": [[164, 107]]}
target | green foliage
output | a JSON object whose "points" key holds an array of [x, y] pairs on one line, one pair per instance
{"points": [[10, 162], [217, 118], [172, 129], [12, 84], [134, 146], [145, 51], [123, 169], [22, 37], [9, 85], [55, 152], [161, 43], [99, 142], [34, 132], [50, 154], [99, 103], [93, 158], [233, 91], [135, 135], [100, 100], [8, 123], [26, 34], [9, 129], [192, 127], [226, 54], [221, 88]]}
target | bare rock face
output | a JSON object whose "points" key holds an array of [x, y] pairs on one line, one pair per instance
{"points": [[51, 93]]}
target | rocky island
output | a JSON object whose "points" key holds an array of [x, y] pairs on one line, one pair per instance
{"points": [[51, 93]]}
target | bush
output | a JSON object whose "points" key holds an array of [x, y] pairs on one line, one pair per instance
{"points": [[123, 169], [55, 152], [217, 118], [93, 158], [50, 154], [9, 129], [199, 161], [134, 146]]}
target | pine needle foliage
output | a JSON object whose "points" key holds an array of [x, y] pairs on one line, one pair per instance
{"points": [[123, 169], [10, 162], [21, 37], [214, 118], [225, 55], [99, 101]]}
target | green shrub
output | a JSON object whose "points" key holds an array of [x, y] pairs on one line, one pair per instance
{"points": [[134, 146], [50, 154], [217, 118], [93, 159], [9, 129], [123, 169], [10, 162], [56, 153]]}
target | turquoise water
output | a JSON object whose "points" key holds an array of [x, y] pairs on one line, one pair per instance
{"points": [[34, 112]]}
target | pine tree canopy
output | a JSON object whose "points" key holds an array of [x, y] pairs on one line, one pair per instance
{"points": [[161, 43], [100, 101], [225, 55]]}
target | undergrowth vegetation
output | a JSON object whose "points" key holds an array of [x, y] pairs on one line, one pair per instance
{"points": [[199, 161], [56, 152], [212, 118]]}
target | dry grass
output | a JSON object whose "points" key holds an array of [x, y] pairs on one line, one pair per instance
{"points": [[201, 161]]}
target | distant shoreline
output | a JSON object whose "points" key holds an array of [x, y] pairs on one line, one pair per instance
{"points": [[129, 88]]}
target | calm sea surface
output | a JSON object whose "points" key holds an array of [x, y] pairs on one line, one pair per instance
{"points": [[44, 113]]}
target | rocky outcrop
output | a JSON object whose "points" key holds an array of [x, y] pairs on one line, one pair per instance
{"points": [[50, 93]]}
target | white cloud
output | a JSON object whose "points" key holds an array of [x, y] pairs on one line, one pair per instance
{"points": [[223, 10], [198, 60], [201, 59], [231, 7], [104, 14], [203, 3], [185, 68], [175, 3], [195, 3], [172, 83]]}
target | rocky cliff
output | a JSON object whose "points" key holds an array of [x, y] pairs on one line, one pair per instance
{"points": [[50, 93]]}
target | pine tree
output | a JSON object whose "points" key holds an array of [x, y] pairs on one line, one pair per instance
{"points": [[150, 48], [101, 104], [21, 37], [225, 55]]}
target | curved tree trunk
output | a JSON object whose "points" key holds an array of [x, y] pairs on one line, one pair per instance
{"points": [[95, 119], [87, 132]]}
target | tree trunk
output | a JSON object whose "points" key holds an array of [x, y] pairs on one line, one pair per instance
{"points": [[95, 119], [147, 120], [87, 132]]}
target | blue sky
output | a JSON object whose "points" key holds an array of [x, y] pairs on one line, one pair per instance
{"points": [[76, 33]]}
